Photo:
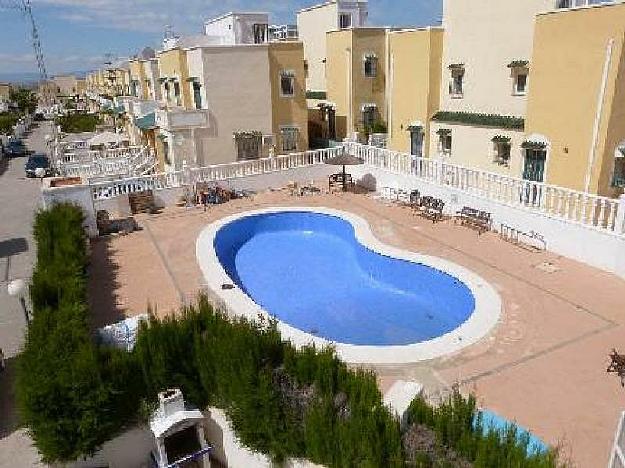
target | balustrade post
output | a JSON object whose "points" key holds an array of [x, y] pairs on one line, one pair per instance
{"points": [[619, 225]]}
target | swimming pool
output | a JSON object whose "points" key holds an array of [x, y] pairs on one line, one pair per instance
{"points": [[324, 276]]}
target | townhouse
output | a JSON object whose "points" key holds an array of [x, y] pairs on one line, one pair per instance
{"points": [[228, 94], [312, 25], [575, 127]]}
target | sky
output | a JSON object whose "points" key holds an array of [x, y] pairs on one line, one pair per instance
{"points": [[77, 34]]}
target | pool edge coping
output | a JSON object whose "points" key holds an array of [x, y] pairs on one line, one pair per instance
{"points": [[487, 313]]}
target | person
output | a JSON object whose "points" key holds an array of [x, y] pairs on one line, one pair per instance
{"points": [[1, 360]]}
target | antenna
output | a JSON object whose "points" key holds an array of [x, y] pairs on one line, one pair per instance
{"points": [[25, 7]]}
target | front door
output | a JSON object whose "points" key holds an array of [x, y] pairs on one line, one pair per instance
{"points": [[331, 123], [416, 142], [534, 169]]}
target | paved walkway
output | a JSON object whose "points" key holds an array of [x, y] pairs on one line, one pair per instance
{"points": [[19, 198], [544, 365]]}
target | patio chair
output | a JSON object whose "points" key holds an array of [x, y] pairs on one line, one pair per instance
{"points": [[477, 219]]}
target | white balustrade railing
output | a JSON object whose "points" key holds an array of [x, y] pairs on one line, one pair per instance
{"points": [[558, 202], [221, 172], [121, 162]]}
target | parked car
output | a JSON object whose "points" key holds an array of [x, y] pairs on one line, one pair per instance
{"points": [[15, 148], [37, 161]]}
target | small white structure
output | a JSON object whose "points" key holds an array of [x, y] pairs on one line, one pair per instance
{"points": [[178, 432], [400, 395], [239, 28]]}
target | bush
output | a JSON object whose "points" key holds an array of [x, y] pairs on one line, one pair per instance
{"points": [[78, 123], [456, 427], [7, 122], [281, 401], [72, 395]]}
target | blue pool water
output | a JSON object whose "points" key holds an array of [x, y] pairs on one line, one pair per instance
{"points": [[308, 270]]}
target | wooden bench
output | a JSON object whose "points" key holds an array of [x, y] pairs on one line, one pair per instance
{"points": [[430, 207], [480, 220]]}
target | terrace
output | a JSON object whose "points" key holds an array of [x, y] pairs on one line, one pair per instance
{"points": [[543, 364]]}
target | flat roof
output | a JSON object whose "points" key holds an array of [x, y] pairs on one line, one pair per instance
{"points": [[236, 13], [321, 5], [611, 3]]}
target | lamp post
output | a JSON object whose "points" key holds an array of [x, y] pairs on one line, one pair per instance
{"points": [[17, 288]]}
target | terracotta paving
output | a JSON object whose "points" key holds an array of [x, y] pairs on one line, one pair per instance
{"points": [[544, 365]]}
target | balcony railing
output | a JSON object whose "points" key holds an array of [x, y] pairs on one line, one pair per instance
{"points": [[181, 119], [221, 172], [558, 202]]}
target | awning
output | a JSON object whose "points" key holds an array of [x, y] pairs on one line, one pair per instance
{"points": [[535, 141], [416, 125], [147, 122], [443, 131], [501, 139], [456, 66], [518, 64]]}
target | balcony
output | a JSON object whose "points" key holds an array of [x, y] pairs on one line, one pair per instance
{"points": [[142, 107], [180, 119]]}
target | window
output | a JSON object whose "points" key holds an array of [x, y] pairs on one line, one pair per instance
{"points": [[444, 142], [371, 65], [501, 150], [456, 87], [345, 20], [368, 116], [167, 92], [197, 95], [177, 92], [289, 138], [520, 83], [260, 33], [287, 84], [618, 178], [248, 145]]}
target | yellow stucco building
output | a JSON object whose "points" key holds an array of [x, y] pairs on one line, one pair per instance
{"points": [[414, 87], [356, 79], [576, 102]]}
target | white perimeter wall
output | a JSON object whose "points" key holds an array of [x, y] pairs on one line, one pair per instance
{"points": [[585, 244]]}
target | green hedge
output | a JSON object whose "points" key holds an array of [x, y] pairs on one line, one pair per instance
{"points": [[486, 120], [74, 394], [78, 123], [282, 402]]}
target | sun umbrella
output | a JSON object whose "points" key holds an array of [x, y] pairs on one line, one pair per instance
{"points": [[344, 160]]}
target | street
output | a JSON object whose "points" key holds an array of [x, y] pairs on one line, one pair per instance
{"points": [[19, 198]]}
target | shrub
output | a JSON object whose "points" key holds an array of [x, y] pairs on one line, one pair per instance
{"points": [[78, 122], [7, 122], [72, 395], [456, 427]]}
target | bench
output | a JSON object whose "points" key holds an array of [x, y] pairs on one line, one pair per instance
{"points": [[430, 207], [480, 220]]}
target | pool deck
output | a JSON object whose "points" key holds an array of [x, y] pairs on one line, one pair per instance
{"points": [[544, 364]]}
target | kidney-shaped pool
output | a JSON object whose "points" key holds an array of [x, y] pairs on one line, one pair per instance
{"points": [[315, 272]]}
